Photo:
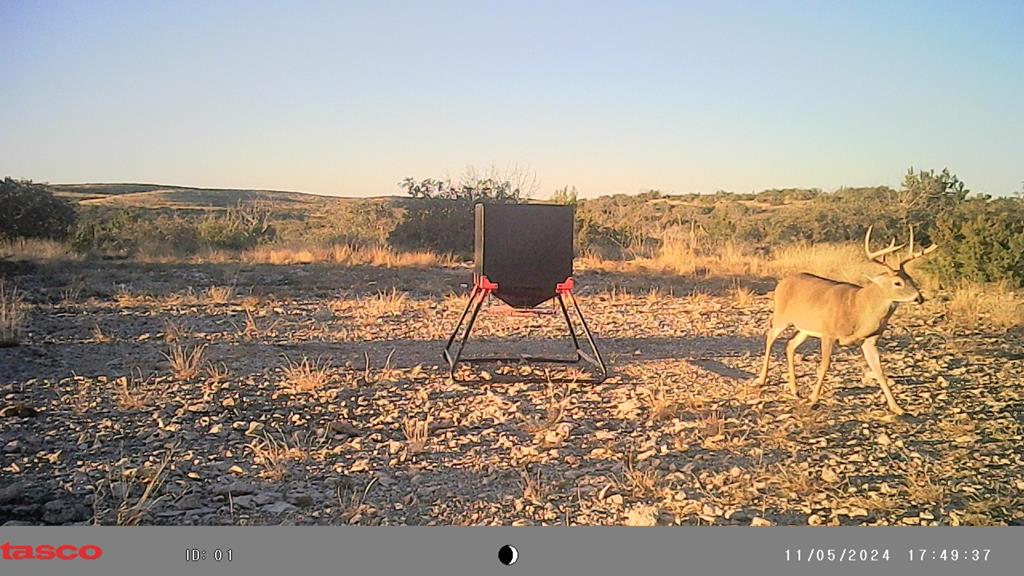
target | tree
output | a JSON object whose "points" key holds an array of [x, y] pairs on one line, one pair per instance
{"points": [[925, 196], [439, 213], [30, 210], [564, 195]]}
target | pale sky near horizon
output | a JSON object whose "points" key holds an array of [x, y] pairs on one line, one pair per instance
{"points": [[348, 98]]}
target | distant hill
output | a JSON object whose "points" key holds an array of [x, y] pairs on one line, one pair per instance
{"points": [[156, 196]]}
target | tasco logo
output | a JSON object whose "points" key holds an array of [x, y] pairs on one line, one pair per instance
{"points": [[47, 552]]}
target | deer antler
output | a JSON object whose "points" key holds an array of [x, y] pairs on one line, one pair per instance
{"points": [[911, 255], [892, 247]]}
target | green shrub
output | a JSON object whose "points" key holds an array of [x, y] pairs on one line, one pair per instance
{"points": [[30, 210], [982, 240], [238, 228]]}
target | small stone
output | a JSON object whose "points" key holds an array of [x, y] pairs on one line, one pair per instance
{"points": [[759, 522], [236, 469], [883, 439], [278, 508], [198, 407], [12, 447], [829, 475], [301, 500], [814, 520], [344, 428], [236, 488], [857, 512]]}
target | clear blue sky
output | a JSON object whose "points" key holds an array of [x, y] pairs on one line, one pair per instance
{"points": [[350, 97]]}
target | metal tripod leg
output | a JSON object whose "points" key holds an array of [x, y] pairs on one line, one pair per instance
{"points": [[596, 359], [572, 331], [476, 301]]}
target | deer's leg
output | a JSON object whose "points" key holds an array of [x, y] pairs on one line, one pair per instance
{"points": [[773, 334], [871, 355], [790, 352], [826, 357]]}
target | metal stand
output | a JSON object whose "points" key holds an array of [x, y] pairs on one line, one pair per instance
{"points": [[482, 288]]}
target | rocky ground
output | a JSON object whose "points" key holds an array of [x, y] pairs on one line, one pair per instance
{"points": [[316, 397]]}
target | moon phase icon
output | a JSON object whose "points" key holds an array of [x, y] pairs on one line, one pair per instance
{"points": [[508, 555]]}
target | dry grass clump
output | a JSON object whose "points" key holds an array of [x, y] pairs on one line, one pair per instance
{"points": [[117, 501], [922, 487], [220, 294], [417, 432], [642, 482], [185, 361], [274, 455], [660, 403], [844, 262], [742, 296], [996, 304], [36, 249], [384, 303], [12, 314], [306, 375], [128, 392], [345, 254]]}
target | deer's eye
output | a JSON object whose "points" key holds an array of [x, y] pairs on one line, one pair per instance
{"points": [[898, 283]]}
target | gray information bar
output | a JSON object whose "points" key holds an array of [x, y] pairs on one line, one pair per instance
{"points": [[301, 550]]}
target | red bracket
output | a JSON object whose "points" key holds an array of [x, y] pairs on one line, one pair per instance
{"points": [[565, 287], [486, 285]]}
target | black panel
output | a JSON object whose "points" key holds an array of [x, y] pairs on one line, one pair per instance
{"points": [[526, 249]]}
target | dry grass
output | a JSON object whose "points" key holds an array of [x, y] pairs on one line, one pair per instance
{"points": [[128, 392], [874, 503], [127, 298], [844, 262], [417, 432], [642, 482], [220, 294], [742, 296], [185, 361], [554, 410], [131, 509], [35, 249], [306, 375], [386, 303], [252, 330], [796, 483], [12, 314], [660, 404], [99, 336], [346, 255], [975, 304], [533, 487], [686, 257], [922, 487], [275, 455]]}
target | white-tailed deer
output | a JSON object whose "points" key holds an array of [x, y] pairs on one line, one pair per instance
{"points": [[842, 312]]}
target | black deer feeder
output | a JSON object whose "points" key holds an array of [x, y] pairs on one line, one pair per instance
{"points": [[524, 256]]}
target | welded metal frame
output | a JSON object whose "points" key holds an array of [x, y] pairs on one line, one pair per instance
{"points": [[482, 288]]}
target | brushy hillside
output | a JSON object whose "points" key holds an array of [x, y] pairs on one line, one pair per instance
{"points": [[981, 238]]}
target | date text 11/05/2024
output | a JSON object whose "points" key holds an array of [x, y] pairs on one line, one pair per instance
{"points": [[885, 555]]}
